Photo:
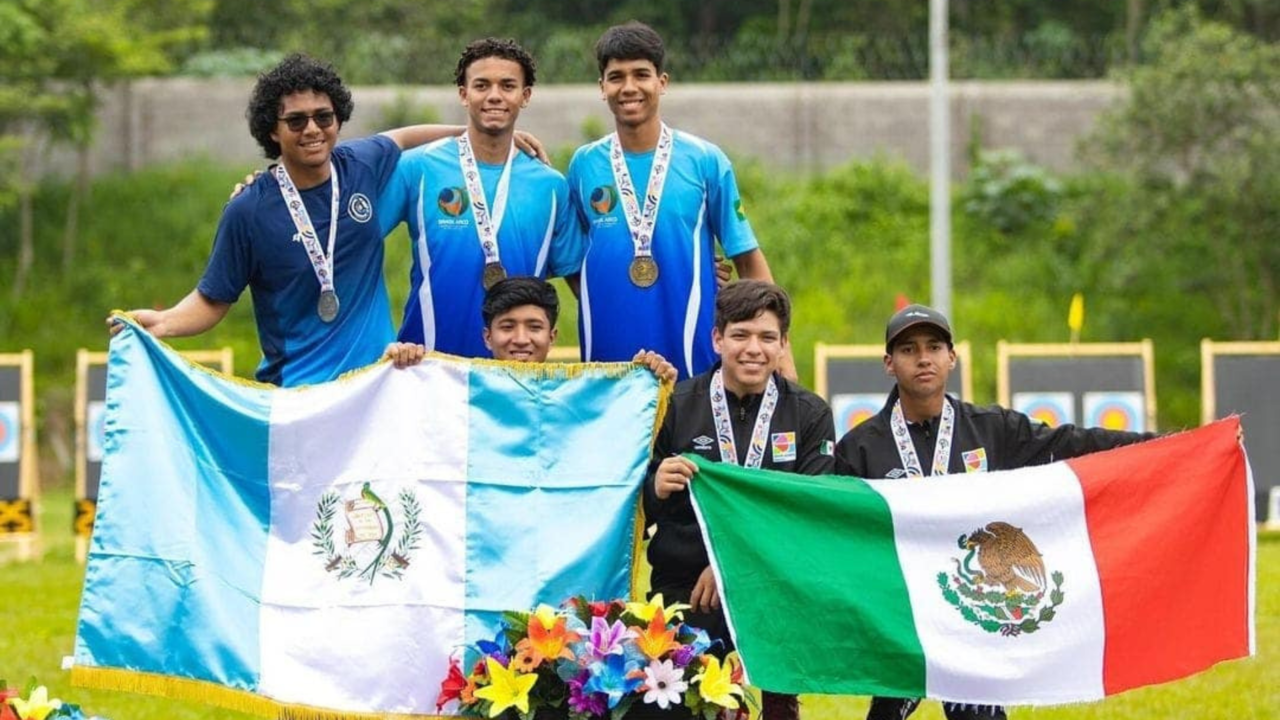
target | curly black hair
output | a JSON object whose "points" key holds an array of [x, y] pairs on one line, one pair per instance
{"points": [[296, 73], [495, 47]]}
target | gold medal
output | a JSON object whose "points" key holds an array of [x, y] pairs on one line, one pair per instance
{"points": [[644, 271], [493, 272]]}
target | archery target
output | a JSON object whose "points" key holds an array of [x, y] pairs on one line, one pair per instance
{"points": [[1051, 408]]}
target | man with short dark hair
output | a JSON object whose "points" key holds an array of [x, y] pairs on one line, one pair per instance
{"points": [[922, 431], [741, 411], [653, 203], [519, 316], [304, 239], [477, 209]]}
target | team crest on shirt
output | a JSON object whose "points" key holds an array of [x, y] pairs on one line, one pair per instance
{"points": [[975, 460], [360, 209], [784, 446], [453, 201], [604, 199], [1001, 585], [365, 537], [738, 210]]}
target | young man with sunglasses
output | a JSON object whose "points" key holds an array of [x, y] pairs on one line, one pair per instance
{"points": [[653, 202], [477, 210], [305, 238]]}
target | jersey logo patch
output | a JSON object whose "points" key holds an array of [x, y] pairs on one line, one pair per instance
{"points": [[604, 199], [784, 446], [895, 473], [975, 460], [452, 201], [702, 442], [360, 209]]}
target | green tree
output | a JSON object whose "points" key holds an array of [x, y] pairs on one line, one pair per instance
{"points": [[1198, 137], [57, 55]]}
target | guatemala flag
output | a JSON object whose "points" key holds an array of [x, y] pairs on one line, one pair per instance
{"points": [[321, 551]]}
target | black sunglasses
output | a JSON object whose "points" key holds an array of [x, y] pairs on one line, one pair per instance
{"points": [[297, 122]]}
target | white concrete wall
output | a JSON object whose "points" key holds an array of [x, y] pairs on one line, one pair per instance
{"points": [[794, 126]]}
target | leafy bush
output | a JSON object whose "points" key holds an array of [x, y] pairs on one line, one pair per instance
{"points": [[1010, 193]]}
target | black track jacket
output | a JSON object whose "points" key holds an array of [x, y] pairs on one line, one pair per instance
{"points": [[676, 552], [985, 439]]}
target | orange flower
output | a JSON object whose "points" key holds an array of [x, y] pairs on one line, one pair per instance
{"points": [[657, 640], [527, 657], [550, 642]]}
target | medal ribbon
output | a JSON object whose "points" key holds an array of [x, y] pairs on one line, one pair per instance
{"points": [[321, 261], [907, 449], [487, 225], [642, 224], [724, 428]]}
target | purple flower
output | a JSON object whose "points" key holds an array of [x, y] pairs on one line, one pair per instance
{"points": [[683, 656], [607, 639], [585, 702]]}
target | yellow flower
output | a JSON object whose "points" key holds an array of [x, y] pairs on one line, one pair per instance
{"points": [[715, 683], [645, 611], [506, 689], [546, 615], [36, 707]]}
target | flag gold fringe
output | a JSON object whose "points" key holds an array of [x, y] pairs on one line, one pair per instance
{"points": [[176, 688]]}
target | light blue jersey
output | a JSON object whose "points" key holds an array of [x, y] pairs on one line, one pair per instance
{"points": [[257, 246], [538, 237], [700, 205]]}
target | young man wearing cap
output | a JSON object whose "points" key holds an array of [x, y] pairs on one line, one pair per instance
{"points": [[519, 316], [741, 411], [653, 202], [948, 437]]}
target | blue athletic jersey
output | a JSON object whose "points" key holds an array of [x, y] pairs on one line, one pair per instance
{"points": [[700, 204], [257, 247], [538, 236]]}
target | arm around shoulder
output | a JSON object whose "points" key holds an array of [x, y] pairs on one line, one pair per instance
{"points": [[412, 136]]}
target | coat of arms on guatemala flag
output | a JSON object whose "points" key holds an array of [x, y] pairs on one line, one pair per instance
{"points": [[321, 551]]}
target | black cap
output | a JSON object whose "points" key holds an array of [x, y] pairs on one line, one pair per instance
{"points": [[911, 316]]}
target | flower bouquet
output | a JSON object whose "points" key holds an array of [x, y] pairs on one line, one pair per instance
{"points": [[591, 660], [35, 704]]}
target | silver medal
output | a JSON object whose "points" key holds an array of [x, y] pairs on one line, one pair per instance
{"points": [[327, 307]]}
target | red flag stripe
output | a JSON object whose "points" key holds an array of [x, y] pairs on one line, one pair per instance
{"points": [[1174, 556]]}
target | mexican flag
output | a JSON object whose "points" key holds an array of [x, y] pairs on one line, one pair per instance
{"points": [[1054, 584]]}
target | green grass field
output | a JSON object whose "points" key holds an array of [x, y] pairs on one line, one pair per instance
{"points": [[40, 600]]}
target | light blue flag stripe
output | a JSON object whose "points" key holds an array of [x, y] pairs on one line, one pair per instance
{"points": [[174, 573], [533, 466]]}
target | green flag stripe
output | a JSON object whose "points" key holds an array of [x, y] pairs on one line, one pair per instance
{"points": [[809, 571]]}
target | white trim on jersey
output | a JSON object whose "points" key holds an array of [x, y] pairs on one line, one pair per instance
{"points": [[425, 303], [584, 307], [695, 293], [540, 268]]}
